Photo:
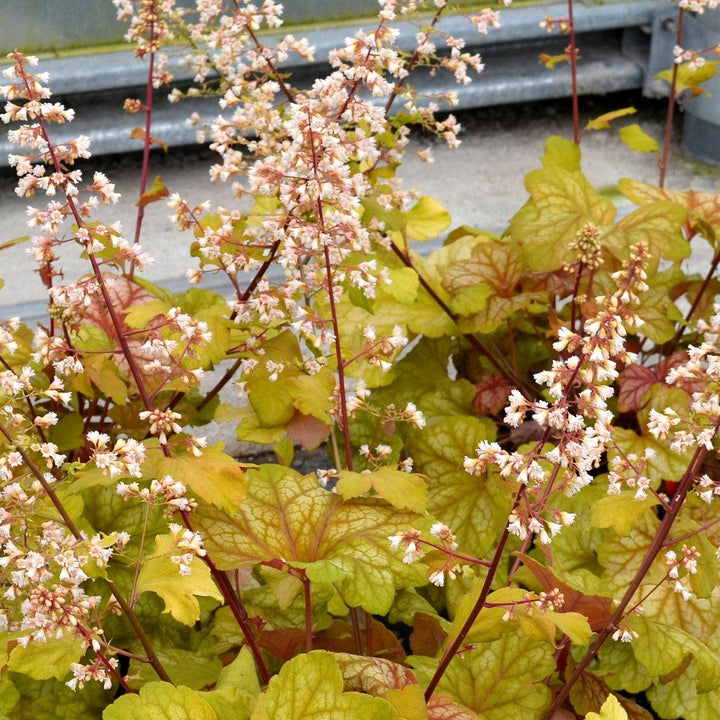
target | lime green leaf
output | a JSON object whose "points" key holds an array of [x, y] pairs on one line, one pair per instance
{"points": [[190, 668], [139, 316], [689, 78], [410, 703], [289, 516], [161, 576], [68, 433], [610, 710], [662, 648], [573, 624], [637, 139], [50, 659], [658, 225], [313, 394], [213, 476], [499, 265], [9, 696], [561, 153], [502, 679], [402, 490], [679, 698], [475, 508], [620, 511], [471, 300], [404, 284], [157, 191], [426, 219], [311, 686], [602, 122], [161, 701], [561, 202], [236, 689]]}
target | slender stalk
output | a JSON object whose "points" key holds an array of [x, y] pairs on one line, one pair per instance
{"points": [[103, 659], [343, 419], [663, 161], [411, 64], [307, 595], [455, 645], [655, 548], [236, 607], [357, 637], [573, 73], [146, 144]]}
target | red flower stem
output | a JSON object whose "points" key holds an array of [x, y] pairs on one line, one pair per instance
{"points": [[655, 548], [101, 656], [411, 64], [234, 603], [452, 649], [573, 73], [357, 637], [307, 595], [457, 555], [343, 415], [663, 160], [146, 143]]}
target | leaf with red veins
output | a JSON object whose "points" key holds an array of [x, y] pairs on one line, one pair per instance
{"points": [[441, 707], [289, 517], [491, 394], [373, 675], [124, 294], [636, 380]]}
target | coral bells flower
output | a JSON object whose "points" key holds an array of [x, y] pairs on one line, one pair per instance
{"points": [[162, 422], [576, 421]]}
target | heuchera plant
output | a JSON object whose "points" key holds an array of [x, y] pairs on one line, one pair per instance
{"points": [[521, 517]]}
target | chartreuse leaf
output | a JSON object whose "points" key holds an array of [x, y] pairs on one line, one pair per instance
{"points": [[236, 689], [313, 394], [562, 153], [161, 701], [402, 490], [602, 122], [561, 202], [678, 697], [50, 659], [475, 508], [662, 648], [311, 686], [620, 511], [161, 576], [637, 139], [190, 668], [426, 219], [500, 679], [213, 476], [658, 225], [268, 394], [690, 77], [58, 702], [9, 696], [610, 710], [287, 515]]}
